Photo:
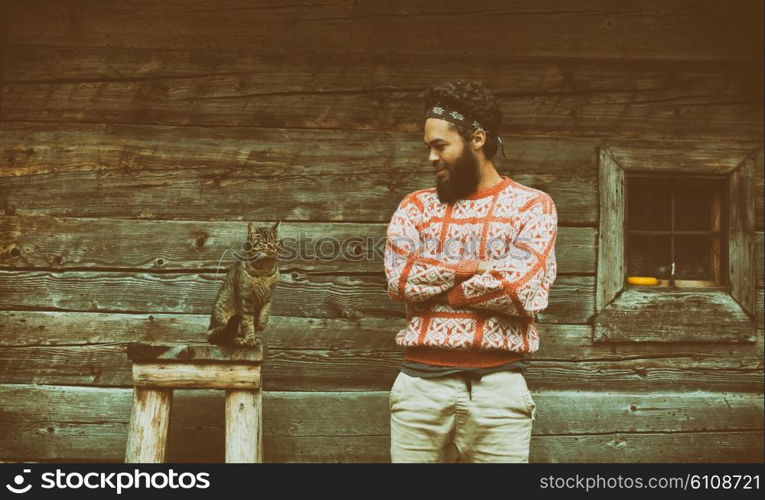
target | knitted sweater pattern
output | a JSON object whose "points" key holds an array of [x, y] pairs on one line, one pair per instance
{"points": [[434, 248]]}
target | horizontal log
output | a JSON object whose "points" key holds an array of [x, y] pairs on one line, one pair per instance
{"points": [[65, 243], [596, 28], [228, 192], [558, 342], [641, 375], [194, 375], [700, 447], [91, 423], [107, 365], [332, 354], [368, 369], [305, 414], [31, 148], [682, 157], [234, 168], [696, 447], [575, 343], [614, 98], [27, 63], [673, 316], [297, 294], [225, 164], [29, 328]]}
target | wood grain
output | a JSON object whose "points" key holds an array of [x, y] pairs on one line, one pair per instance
{"points": [[30, 148], [611, 260], [195, 375], [596, 28], [759, 242], [674, 316], [696, 447], [91, 423], [244, 426], [297, 71], [298, 294], [681, 157], [553, 97], [233, 193], [82, 243], [362, 368], [20, 329], [149, 423], [741, 236]]}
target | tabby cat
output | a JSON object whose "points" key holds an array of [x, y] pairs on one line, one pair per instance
{"points": [[244, 301]]}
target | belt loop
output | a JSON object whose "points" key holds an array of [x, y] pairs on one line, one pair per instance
{"points": [[469, 386]]}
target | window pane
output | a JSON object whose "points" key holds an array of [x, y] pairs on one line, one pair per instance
{"points": [[693, 256], [648, 256], [648, 204], [693, 208]]}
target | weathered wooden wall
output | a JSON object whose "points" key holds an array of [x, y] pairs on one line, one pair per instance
{"points": [[138, 137]]}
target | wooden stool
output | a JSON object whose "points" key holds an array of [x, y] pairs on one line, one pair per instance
{"points": [[160, 368]]}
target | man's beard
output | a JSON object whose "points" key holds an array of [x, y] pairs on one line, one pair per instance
{"points": [[464, 177]]}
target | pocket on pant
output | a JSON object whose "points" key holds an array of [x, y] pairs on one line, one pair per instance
{"points": [[395, 389], [531, 406]]}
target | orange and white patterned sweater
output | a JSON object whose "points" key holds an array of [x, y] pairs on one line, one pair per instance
{"points": [[434, 248]]}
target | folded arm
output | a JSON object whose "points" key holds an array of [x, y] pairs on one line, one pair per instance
{"points": [[410, 276], [519, 283]]}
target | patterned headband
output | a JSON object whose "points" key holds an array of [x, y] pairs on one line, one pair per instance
{"points": [[454, 116]]}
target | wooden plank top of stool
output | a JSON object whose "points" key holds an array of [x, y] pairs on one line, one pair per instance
{"points": [[148, 352]]}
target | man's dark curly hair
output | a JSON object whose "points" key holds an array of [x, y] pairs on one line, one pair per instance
{"points": [[471, 98]]}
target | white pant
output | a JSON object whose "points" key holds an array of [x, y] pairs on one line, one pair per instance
{"points": [[446, 419]]}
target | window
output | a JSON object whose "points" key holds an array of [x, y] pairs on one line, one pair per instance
{"points": [[693, 206], [676, 230]]}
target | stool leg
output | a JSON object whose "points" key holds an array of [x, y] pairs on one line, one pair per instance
{"points": [[149, 421], [244, 430]]}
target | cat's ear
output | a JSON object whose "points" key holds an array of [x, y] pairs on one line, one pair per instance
{"points": [[275, 227]]}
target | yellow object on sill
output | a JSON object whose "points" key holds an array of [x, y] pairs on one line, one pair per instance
{"points": [[642, 280]]}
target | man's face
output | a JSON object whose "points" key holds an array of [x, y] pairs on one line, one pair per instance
{"points": [[455, 163]]}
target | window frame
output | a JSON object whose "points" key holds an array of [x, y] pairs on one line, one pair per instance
{"points": [[619, 307]]}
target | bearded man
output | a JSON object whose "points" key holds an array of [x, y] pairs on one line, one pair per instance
{"points": [[473, 259]]}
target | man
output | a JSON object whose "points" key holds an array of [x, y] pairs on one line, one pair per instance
{"points": [[473, 259]]}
